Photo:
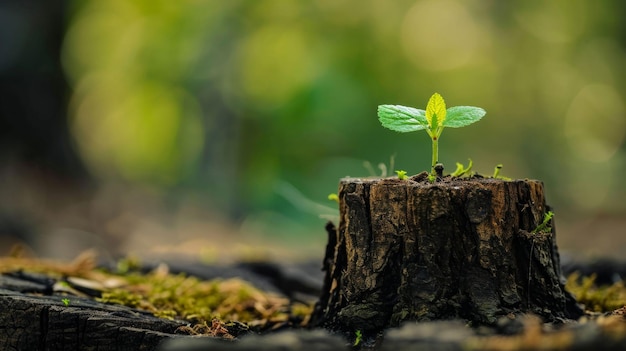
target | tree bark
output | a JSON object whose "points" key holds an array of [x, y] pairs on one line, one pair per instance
{"points": [[458, 248], [29, 322]]}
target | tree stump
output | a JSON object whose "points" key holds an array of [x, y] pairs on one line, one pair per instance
{"points": [[458, 248]]}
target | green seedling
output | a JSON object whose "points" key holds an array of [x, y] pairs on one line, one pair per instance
{"points": [[402, 175], [434, 119], [544, 226], [358, 339], [333, 197], [462, 170], [496, 170], [496, 173], [66, 302]]}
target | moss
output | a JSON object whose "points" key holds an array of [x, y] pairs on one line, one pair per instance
{"points": [[596, 298], [121, 297], [210, 305], [188, 298], [128, 264]]}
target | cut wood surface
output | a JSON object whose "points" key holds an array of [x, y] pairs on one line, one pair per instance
{"points": [[458, 248]]}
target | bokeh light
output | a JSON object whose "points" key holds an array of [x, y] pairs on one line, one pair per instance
{"points": [[232, 100], [441, 35], [594, 125]]}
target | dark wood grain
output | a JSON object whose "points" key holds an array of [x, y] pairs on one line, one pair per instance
{"points": [[415, 251], [31, 322]]}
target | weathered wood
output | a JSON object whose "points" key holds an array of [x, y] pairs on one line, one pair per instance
{"points": [[29, 322], [34, 317], [411, 250]]}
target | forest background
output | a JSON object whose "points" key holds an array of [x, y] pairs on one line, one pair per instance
{"points": [[203, 121]]}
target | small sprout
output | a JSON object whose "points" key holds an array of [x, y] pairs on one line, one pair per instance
{"points": [[407, 119], [461, 170], [544, 226], [458, 171], [333, 197], [66, 302], [437, 174], [402, 175], [358, 339], [496, 173]]}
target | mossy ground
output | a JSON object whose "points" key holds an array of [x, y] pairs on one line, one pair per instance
{"points": [[596, 298], [216, 307], [188, 298]]}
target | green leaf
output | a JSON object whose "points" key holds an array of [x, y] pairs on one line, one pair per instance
{"points": [[461, 116], [435, 111], [401, 118]]}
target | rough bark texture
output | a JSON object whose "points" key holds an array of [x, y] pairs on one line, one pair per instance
{"points": [[411, 250], [30, 322], [32, 319]]}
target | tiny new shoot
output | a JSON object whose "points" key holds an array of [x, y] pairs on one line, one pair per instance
{"points": [[496, 170], [333, 197], [402, 175], [462, 170], [496, 173], [358, 337], [434, 119], [545, 224], [66, 302]]}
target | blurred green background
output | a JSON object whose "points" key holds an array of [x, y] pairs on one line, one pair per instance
{"points": [[245, 102], [257, 108]]}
